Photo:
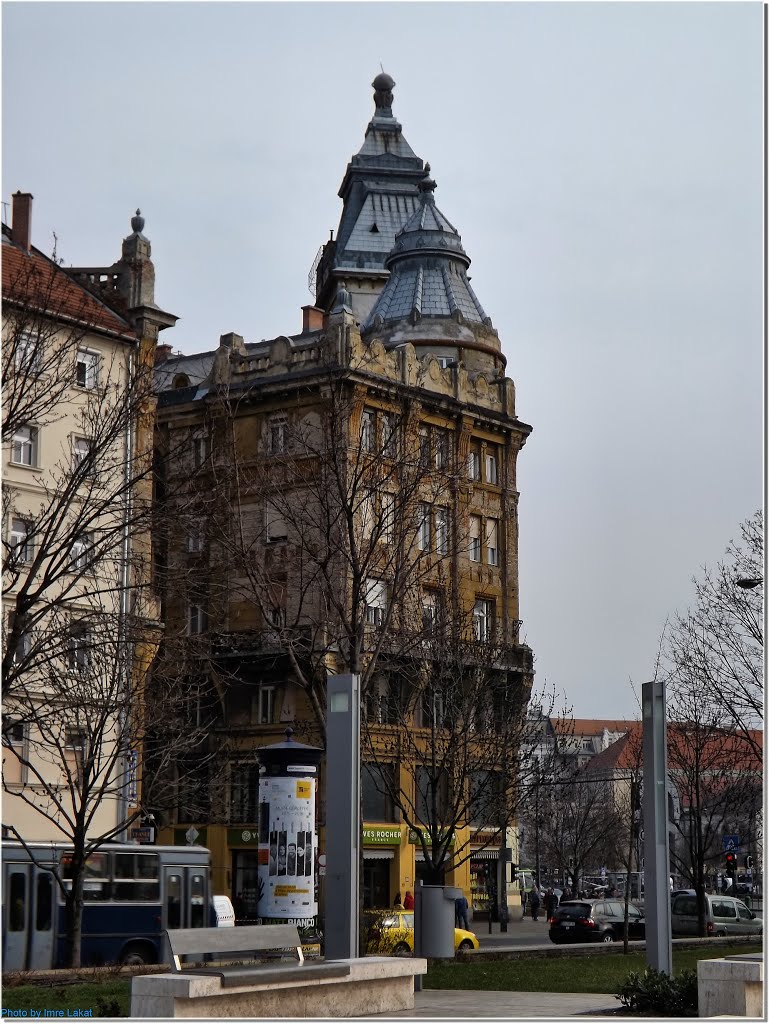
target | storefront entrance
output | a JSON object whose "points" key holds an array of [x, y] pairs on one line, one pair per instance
{"points": [[376, 882], [245, 886]]}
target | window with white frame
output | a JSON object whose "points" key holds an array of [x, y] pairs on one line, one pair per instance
{"points": [[388, 434], [277, 435], [430, 611], [81, 450], [442, 531], [386, 517], [278, 616], [474, 463], [265, 709], [368, 430], [424, 447], [492, 542], [483, 619], [29, 353], [75, 743], [24, 446], [492, 475], [375, 598], [20, 541], [366, 509], [86, 369], [14, 748], [423, 527], [80, 552], [275, 524], [440, 448], [197, 617], [195, 541], [199, 448], [23, 644], [474, 548], [79, 646]]}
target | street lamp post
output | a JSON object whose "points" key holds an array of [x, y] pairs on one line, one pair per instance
{"points": [[659, 946]]}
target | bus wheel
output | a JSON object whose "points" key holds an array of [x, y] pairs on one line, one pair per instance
{"points": [[137, 954]]}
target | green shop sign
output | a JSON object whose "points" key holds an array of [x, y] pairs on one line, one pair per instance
{"points": [[378, 835], [414, 837], [247, 835]]}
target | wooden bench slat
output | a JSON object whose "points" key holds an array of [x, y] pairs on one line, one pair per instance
{"points": [[269, 974]]}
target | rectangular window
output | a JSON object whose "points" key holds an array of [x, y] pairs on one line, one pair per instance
{"points": [[368, 430], [265, 712], [278, 435], [382, 702], [197, 618], [389, 434], [136, 877], [429, 611], [275, 524], [441, 448], [195, 539], [491, 466], [375, 597], [16, 898], [86, 369], [424, 447], [199, 448], [13, 749], [29, 354], [432, 795], [80, 552], [377, 786], [81, 451], [423, 527], [442, 531], [244, 794], [492, 542], [474, 548], [20, 541], [483, 620], [367, 517], [79, 646], [387, 517], [24, 446], [433, 709], [23, 642], [474, 463]]}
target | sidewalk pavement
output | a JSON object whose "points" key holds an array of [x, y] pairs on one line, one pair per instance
{"points": [[453, 1004]]}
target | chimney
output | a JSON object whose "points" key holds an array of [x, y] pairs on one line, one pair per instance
{"points": [[162, 353], [21, 219], [312, 319]]}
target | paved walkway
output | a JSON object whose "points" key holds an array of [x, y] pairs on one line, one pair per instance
{"points": [[450, 1004]]}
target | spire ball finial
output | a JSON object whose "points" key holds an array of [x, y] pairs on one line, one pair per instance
{"points": [[427, 186], [137, 222], [383, 86]]}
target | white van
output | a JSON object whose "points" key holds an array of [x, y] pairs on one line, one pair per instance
{"points": [[724, 915], [225, 914]]}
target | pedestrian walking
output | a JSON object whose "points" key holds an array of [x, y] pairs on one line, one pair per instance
{"points": [[535, 900], [408, 901], [460, 912], [398, 902], [551, 902]]}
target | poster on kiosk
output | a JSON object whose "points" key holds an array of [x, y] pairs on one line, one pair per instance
{"points": [[288, 844]]}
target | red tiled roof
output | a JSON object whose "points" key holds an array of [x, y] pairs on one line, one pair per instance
{"points": [[590, 726], [717, 747], [30, 278]]}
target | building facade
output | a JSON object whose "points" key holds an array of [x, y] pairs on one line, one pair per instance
{"points": [[345, 499]]}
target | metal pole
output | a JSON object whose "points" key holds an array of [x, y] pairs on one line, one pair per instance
{"points": [[343, 830], [659, 948]]}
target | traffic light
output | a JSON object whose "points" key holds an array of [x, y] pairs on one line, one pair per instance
{"points": [[731, 863]]}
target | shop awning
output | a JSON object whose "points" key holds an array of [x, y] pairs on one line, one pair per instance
{"points": [[484, 855], [378, 854]]}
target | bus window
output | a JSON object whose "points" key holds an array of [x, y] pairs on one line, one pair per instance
{"points": [[17, 902], [44, 903], [137, 877], [174, 900], [197, 901], [95, 876]]}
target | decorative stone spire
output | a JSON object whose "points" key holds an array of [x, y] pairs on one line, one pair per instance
{"points": [[383, 96], [137, 222]]}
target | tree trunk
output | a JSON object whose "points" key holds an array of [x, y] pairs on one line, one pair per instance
{"points": [[74, 913]]}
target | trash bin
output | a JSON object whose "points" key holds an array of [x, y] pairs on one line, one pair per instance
{"points": [[434, 920]]}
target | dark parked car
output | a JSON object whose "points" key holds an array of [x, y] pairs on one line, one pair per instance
{"points": [[595, 921]]}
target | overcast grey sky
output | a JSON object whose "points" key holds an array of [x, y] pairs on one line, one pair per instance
{"points": [[603, 164]]}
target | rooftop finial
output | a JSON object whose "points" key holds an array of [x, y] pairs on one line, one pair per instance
{"points": [[137, 222], [427, 186], [383, 96]]}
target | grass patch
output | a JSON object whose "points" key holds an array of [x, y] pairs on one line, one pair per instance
{"points": [[602, 973], [105, 999]]}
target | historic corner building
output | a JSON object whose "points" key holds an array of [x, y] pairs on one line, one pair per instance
{"points": [[395, 306]]}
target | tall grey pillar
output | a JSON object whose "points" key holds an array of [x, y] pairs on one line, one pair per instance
{"points": [[659, 948], [343, 828]]}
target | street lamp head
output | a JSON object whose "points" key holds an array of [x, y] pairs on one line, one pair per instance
{"points": [[750, 584]]}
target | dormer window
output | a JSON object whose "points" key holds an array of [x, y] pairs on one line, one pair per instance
{"points": [[374, 229]]}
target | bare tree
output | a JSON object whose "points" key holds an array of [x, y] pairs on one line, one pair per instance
{"points": [[719, 642]]}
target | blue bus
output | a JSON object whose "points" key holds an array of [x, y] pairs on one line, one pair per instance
{"points": [[132, 894]]}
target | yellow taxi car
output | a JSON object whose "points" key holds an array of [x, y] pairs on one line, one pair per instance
{"points": [[391, 933]]}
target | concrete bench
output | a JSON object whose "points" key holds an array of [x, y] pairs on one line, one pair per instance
{"points": [[277, 988], [732, 986]]}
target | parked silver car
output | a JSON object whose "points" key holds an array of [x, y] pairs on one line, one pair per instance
{"points": [[724, 915]]}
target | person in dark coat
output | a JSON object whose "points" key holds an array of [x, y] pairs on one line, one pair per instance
{"points": [[551, 902], [534, 901], [460, 912]]}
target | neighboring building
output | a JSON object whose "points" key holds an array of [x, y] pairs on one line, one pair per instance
{"points": [[398, 365], [580, 739], [71, 343]]}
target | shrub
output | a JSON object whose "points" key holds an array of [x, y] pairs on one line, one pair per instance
{"points": [[656, 993]]}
